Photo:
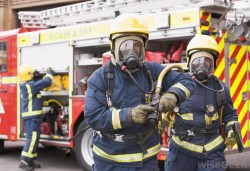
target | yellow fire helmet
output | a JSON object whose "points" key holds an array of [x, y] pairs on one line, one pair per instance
{"points": [[128, 24], [25, 73], [202, 43]]}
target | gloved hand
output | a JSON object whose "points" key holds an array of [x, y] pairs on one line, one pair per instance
{"points": [[167, 102], [139, 114], [230, 140], [50, 71]]}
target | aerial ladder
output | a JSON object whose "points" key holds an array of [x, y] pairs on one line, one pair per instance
{"points": [[99, 10]]}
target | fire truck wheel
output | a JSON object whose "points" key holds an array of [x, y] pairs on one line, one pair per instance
{"points": [[83, 147], [1, 146]]}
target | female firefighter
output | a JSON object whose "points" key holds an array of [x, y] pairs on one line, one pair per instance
{"points": [[197, 143], [115, 101], [31, 112]]}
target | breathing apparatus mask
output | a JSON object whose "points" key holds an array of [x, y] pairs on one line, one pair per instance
{"points": [[129, 52], [202, 65]]}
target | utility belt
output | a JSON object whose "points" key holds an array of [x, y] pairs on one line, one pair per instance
{"points": [[193, 132], [140, 138]]}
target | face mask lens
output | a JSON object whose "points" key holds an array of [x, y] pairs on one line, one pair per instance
{"points": [[204, 63], [130, 48]]}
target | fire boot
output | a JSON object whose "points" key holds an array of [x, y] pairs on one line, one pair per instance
{"points": [[26, 166]]}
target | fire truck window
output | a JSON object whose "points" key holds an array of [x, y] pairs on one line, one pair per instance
{"points": [[3, 57]]}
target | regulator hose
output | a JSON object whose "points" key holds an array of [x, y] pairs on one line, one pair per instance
{"points": [[156, 115]]}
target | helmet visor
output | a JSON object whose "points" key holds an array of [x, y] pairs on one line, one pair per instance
{"points": [[130, 48], [204, 63]]}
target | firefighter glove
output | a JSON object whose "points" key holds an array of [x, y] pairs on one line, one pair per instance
{"points": [[230, 140], [167, 102], [50, 71], [139, 114]]}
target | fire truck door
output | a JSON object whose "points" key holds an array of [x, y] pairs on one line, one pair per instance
{"points": [[4, 88], [237, 77]]}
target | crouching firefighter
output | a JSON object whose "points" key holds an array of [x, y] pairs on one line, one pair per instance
{"points": [[197, 143], [116, 101]]}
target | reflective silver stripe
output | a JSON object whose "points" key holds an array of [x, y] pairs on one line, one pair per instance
{"points": [[116, 122], [127, 158], [197, 148], [183, 88], [230, 123], [186, 116], [29, 98], [33, 142], [28, 155], [31, 147], [213, 144], [187, 145], [33, 113], [50, 76]]}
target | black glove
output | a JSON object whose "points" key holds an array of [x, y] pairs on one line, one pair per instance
{"points": [[37, 75], [50, 71], [139, 114]]}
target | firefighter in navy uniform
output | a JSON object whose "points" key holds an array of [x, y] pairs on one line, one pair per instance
{"points": [[123, 140], [197, 143], [31, 112]]}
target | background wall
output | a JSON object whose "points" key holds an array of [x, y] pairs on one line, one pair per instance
{"points": [[10, 8]]}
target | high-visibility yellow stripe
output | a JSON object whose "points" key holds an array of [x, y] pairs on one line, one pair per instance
{"points": [[215, 116], [187, 145], [243, 112], [9, 80], [238, 57], [116, 122], [230, 123], [186, 116], [241, 74], [214, 143], [245, 128], [30, 100], [198, 148], [127, 158], [183, 88], [50, 76], [238, 98], [33, 142], [32, 113], [29, 155], [220, 66]]}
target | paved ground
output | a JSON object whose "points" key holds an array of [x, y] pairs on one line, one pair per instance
{"points": [[51, 159], [55, 159], [238, 161]]}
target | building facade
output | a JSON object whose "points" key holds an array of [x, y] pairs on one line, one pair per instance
{"points": [[10, 8]]}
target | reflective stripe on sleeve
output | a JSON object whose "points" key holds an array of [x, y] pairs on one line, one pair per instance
{"points": [[50, 76], [230, 123], [186, 116], [116, 122], [183, 88]]}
